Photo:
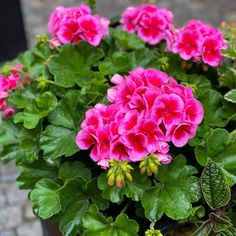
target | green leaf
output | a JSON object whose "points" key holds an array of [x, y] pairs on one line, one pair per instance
{"points": [[219, 224], [30, 173], [72, 65], [40, 108], [45, 198], [215, 188], [127, 40], [205, 229], [95, 195], [29, 143], [8, 133], [174, 192], [11, 152], [231, 96], [34, 60], [217, 142], [57, 141], [229, 232], [9, 141], [220, 146], [69, 111], [212, 104], [136, 188], [21, 99], [75, 205], [226, 160], [198, 212], [228, 77], [97, 225], [71, 220], [73, 170]]}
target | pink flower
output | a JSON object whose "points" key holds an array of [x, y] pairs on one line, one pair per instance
{"points": [[180, 134], [3, 103], [211, 53], [129, 121], [155, 78], [128, 19], [194, 111], [188, 44], [55, 19], [198, 39], [8, 112], [69, 32], [150, 129], [55, 42], [90, 29], [86, 138], [169, 108], [149, 109], [164, 158], [137, 144], [149, 21], [92, 119], [4, 83], [117, 79], [119, 151], [71, 25]]}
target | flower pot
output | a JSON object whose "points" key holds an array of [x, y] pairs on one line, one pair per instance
{"points": [[50, 229]]}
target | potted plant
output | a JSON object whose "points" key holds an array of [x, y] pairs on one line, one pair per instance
{"points": [[125, 131]]}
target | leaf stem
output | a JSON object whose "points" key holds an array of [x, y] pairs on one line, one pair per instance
{"points": [[125, 207]]}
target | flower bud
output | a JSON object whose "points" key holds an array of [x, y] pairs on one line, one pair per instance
{"points": [[111, 179], [119, 180]]}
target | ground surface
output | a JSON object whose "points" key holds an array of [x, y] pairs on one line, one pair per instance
{"points": [[16, 218]]}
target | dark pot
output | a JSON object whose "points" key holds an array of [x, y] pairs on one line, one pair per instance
{"points": [[50, 229]]}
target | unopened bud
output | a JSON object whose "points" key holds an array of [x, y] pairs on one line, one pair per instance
{"points": [[111, 179], [119, 180]]}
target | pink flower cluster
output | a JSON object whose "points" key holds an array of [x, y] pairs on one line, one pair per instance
{"points": [[149, 21], [71, 25], [148, 110], [199, 40], [7, 84]]}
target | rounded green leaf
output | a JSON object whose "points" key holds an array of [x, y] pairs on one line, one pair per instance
{"points": [[57, 141], [97, 225], [72, 65], [45, 198], [174, 192]]}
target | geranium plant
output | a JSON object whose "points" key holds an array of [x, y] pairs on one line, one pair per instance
{"points": [[125, 127]]}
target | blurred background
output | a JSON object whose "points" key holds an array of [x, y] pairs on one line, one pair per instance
{"points": [[20, 21]]}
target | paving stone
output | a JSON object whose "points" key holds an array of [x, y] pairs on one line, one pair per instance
{"points": [[8, 172], [2, 199], [10, 217], [28, 212], [8, 233], [36, 13], [30, 229], [15, 195]]}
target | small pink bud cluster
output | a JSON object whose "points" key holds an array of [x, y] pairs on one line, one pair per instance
{"points": [[198, 40], [71, 25], [149, 21], [8, 83], [148, 110]]}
